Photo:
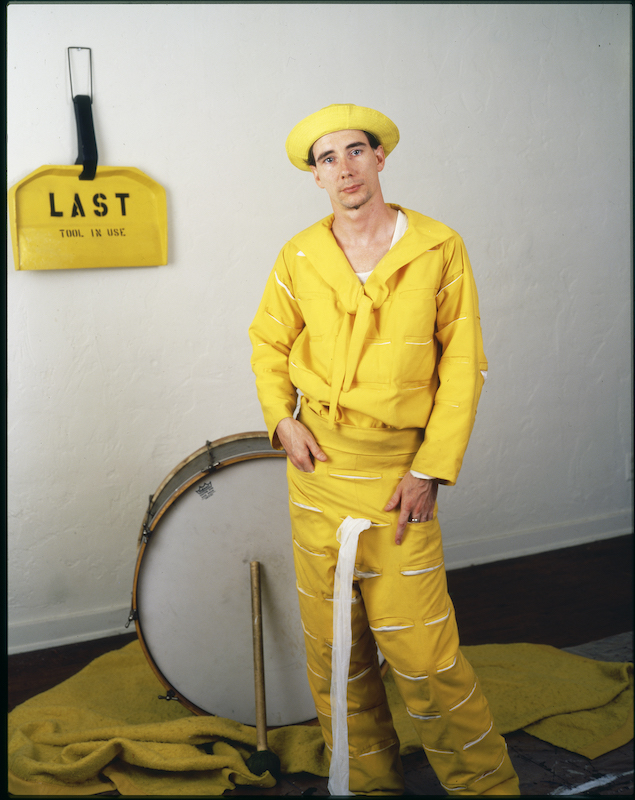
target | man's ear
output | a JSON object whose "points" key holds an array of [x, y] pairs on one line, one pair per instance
{"points": [[316, 177], [381, 158]]}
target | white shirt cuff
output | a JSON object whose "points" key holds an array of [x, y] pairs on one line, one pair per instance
{"points": [[421, 475]]}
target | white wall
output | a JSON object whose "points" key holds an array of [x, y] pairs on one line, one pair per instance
{"points": [[514, 127]]}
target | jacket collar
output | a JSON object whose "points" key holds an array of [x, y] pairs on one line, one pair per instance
{"points": [[320, 247]]}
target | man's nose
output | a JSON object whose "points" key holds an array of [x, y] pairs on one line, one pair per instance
{"points": [[346, 167]]}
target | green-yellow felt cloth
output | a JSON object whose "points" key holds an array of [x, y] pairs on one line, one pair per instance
{"points": [[105, 729], [577, 703]]}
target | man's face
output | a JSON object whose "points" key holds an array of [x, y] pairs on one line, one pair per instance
{"points": [[347, 167]]}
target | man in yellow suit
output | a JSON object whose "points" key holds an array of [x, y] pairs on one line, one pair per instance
{"points": [[371, 317]]}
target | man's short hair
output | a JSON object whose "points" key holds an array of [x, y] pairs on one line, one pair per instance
{"points": [[373, 141]]}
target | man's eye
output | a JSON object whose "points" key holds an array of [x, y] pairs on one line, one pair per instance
{"points": [[328, 159], [355, 152]]}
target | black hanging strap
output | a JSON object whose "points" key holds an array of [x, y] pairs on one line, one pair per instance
{"points": [[86, 142]]}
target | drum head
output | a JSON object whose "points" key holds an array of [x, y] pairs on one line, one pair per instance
{"points": [[192, 589]]}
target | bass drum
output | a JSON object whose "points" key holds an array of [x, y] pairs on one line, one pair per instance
{"points": [[223, 507]]}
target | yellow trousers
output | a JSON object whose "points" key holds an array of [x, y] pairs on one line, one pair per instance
{"points": [[400, 604]]}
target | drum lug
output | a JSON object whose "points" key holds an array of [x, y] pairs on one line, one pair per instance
{"points": [[170, 695], [133, 616]]}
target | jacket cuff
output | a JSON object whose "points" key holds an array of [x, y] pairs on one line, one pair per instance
{"points": [[272, 419]]}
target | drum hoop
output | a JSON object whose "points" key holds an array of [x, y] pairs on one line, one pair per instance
{"points": [[240, 447], [205, 460]]}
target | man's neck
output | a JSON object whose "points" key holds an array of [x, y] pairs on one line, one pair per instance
{"points": [[363, 226], [365, 234]]}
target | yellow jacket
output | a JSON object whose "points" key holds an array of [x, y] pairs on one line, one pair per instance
{"points": [[404, 350]]}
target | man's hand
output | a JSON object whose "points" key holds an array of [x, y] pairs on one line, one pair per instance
{"points": [[299, 444], [417, 497]]}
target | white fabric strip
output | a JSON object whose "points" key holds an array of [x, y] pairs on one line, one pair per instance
{"points": [[348, 536]]}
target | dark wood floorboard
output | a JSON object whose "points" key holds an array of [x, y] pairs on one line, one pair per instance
{"points": [[563, 598]]}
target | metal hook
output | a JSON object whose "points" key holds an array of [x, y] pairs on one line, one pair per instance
{"points": [[90, 70]]}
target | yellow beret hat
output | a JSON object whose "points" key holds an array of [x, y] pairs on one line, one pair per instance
{"points": [[338, 117]]}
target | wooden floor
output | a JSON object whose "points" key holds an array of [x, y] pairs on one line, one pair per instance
{"points": [[565, 598]]}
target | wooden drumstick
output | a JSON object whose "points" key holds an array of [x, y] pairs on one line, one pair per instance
{"points": [[263, 760]]}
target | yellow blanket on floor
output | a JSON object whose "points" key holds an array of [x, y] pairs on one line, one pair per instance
{"points": [[105, 729]]}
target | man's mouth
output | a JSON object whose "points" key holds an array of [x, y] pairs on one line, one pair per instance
{"points": [[351, 189]]}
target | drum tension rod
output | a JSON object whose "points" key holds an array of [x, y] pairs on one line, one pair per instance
{"points": [[133, 616], [145, 528], [170, 695], [212, 464]]}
